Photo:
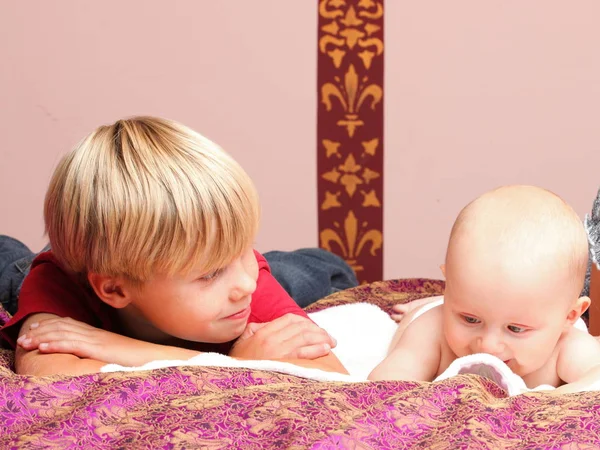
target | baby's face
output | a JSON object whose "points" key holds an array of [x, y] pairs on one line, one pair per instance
{"points": [[517, 317]]}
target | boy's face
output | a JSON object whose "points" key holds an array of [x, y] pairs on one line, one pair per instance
{"points": [[516, 315], [202, 307]]}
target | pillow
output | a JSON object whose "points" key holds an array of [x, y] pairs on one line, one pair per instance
{"points": [[384, 294]]}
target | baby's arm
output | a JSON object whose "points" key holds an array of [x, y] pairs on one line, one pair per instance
{"points": [[578, 362], [403, 311], [416, 356]]}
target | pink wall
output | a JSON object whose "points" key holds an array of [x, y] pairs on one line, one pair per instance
{"points": [[477, 94], [480, 94], [242, 73]]}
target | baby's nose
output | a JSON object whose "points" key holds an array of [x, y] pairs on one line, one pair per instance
{"points": [[491, 344]]}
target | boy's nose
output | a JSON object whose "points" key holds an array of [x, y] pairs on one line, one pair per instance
{"points": [[243, 285]]}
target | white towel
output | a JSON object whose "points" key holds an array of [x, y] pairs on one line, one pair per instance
{"points": [[218, 360], [363, 333], [489, 366]]}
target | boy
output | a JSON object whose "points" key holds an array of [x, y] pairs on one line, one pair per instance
{"points": [[151, 228], [515, 266]]}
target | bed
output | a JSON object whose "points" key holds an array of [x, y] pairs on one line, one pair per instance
{"points": [[214, 408]]}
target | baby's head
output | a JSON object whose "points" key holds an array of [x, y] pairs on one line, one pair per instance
{"points": [[515, 267], [147, 200]]}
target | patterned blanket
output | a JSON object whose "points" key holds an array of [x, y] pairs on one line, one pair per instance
{"points": [[222, 408]]}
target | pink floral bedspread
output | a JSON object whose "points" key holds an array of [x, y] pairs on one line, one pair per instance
{"points": [[196, 407]]}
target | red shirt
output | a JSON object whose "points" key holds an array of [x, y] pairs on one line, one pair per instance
{"points": [[48, 288]]}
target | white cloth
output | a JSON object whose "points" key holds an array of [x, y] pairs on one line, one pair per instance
{"points": [[218, 360], [363, 333], [489, 366]]}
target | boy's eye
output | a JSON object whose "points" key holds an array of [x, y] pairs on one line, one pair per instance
{"points": [[470, 319], [211, 276], [516, 329]]}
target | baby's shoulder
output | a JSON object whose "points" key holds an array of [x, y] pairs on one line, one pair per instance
{"points": [[574, 336], [429, 321], [573, 342], [432, 311], [577, 351]]}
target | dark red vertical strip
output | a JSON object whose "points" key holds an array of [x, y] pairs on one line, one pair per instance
{"points": [[350, 133]]}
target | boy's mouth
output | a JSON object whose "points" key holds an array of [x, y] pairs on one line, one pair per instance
{"points": [[241, 314]]}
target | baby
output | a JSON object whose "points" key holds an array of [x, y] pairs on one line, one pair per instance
{"points": [[515, 266]]}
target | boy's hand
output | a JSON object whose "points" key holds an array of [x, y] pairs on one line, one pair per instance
{"points": [[65, 335], [287, 337]]}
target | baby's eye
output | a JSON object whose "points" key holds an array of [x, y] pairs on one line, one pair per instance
{"points": [[470, 319], [516, 329]]}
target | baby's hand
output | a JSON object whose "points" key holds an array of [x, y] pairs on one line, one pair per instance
{"points": [[401, 310], [65, 335]]}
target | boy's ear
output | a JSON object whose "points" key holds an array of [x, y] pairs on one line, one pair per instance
{"points": [[443, 269], [580, 306], [114, 291]]}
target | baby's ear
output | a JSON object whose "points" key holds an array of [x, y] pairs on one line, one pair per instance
{"points": [[443, 269], [579, 307]]}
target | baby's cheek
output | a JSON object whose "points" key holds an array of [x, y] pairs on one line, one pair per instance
{"points": [[533, 355], [457, 340]]}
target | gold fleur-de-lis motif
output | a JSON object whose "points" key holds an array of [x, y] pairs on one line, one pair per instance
{"points": [[331, 201], [369, 175], [348, 174], [351, 241], [331, 148], [351, 95], [349, 29], [349, 179], [371, 146], [370, 199]]}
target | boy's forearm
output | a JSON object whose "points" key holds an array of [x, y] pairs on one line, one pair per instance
{"points": [[144, 352], [332, 364], [37, 364], [41, 364], [161, 352], [329, 363]]}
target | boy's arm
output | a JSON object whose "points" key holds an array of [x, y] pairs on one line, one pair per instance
{"points": [[289, 338], [59, 345], [33, 362], [328, 363], [416, 356], [80, 353], [578, 362]]}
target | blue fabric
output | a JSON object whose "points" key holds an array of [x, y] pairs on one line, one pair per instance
{"points": [[307, 275], [15, 260]]}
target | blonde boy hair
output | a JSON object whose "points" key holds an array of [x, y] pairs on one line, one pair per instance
{"points": [[145, 196]]}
